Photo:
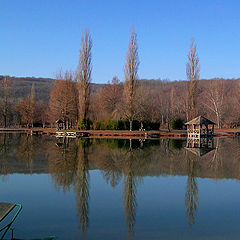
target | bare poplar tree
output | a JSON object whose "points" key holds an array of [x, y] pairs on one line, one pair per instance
{"points": [[83, 75], [130, 73], [192, 71]]}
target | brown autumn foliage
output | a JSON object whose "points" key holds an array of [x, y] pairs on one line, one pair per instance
{"points": [[63, 103], [27, 111], [106, 102]]}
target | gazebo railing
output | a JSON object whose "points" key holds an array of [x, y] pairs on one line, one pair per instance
{"points": [[195, 133]]}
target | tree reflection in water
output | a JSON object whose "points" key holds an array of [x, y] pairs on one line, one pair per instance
{"points": [[63, 161], [191, 195], [68, 161], [26, 150], [81, 185], [68, 165], [4, 152], [129, 191], [110, 169]]}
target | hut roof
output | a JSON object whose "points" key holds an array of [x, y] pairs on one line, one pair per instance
{"points": [[199, 121], [59, 121]]}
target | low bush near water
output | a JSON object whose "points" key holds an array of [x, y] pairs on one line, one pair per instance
{"points": [[124, 125], [176, 123]]}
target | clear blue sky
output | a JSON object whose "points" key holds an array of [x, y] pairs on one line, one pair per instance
{"points": [[38, 37]]}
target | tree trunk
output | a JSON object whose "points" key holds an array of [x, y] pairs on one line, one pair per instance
{"points": [[5, 121], [218, 120], [130, 121], [168, 126]]}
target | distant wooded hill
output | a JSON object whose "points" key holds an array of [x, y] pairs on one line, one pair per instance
{"points": [[21, 86]]}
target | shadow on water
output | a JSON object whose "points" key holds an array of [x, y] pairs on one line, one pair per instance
{"points": [[69, 162]]}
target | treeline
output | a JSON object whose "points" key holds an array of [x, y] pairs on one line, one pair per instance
{"points": [[158, 89], [74, 102]]}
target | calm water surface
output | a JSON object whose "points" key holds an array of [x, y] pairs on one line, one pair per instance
{"points": [[121, 189]]}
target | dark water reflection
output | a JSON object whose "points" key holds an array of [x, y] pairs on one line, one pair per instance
{"points": [[72, 164]]}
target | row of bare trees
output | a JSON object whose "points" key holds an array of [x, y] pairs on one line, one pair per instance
{"points": [[70, 100], [73, 101]]}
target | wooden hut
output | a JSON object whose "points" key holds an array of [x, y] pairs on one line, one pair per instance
{"points": [[60, 124], [200, 127]]}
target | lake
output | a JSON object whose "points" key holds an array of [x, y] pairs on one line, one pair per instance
{"points": [[121, 189]]}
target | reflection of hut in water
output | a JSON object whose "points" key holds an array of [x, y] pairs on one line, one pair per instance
{"points": [[199, 127], [200, 146], [200, 136], [199, 151]]}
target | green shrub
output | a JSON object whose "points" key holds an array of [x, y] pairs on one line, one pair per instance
{"points": [[110, 125], [176, 123], [97, 126], [84, 125], [122, 125]]}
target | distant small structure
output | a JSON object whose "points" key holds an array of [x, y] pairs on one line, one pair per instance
{"points": [[200, 135], [199, 127], [60, 124]]}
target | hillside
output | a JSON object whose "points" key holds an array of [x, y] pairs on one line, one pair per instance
{"points": [[21, 87]]}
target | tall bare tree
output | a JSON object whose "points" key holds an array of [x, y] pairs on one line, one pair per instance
{"points": [[192, 71], [130, 73], [83, 75]]}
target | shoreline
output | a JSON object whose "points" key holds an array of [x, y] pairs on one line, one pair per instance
{"points": [[116, 133]]}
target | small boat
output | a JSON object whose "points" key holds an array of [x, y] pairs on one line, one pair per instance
{"points": [[5, 210]]}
